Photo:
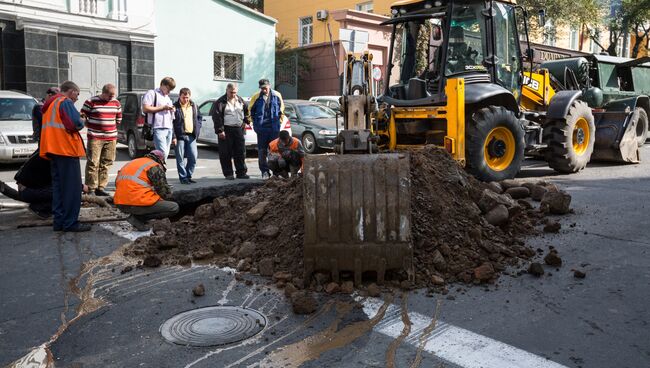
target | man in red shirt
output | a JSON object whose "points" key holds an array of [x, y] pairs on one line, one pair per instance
{"points": [[103, 114]]}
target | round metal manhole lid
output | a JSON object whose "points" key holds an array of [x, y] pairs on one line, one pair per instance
{"points": [[213, 326]]}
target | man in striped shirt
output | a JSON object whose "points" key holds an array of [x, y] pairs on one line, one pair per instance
{"points": [[103, 114]]}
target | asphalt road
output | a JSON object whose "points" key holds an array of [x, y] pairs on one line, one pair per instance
{"points": [[555, 321]]}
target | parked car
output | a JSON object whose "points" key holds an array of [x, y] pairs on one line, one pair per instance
{"points": [[208, 136], [129, 132], [16, 140], [330, 101], [313, 123]]}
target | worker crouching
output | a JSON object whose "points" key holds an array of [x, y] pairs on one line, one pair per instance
{"points": [[141, 190], [285, 155]]}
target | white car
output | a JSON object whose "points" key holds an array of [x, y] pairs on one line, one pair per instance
{"points": [[330, 101], [16, 141], [208, 136]]}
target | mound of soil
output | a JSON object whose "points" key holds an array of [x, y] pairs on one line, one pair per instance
{"points": [[463, 229]]}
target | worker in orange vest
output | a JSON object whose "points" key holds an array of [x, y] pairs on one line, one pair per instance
{"points": [[62, 144], [285, 155], [141, 190]]}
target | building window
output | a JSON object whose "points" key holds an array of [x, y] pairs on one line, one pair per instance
{"points": [[365, 7], [595, 49], [549, 33], [228, 66], [573, 39], [306, 31]]}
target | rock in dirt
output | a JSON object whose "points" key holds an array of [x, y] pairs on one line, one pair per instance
{"points": [[265, 267], [289, 289], [552, 227], [518, 192], [579, 274], [257, 212], [282, 276], [199, 290], [347, 287], [495, 187], [553, 259], [373, 290], [558, 202], [332, 288], [510, 183], [537, 192], [204, 212], [498, 215], [437, 280], [489, 200], [152, 261], [536, 269], [303, 302], [126, 269], [161, 226], [202, 254], [484, 272], [246, 250], [270, 231]]}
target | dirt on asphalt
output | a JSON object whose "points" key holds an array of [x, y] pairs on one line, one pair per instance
{"points": [[463, 230]]}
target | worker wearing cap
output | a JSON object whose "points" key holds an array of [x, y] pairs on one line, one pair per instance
{"points": [[266, 111], [285, 155], [141, 190]]}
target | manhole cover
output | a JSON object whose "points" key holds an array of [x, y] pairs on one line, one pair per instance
{"points": [[213, 326]]}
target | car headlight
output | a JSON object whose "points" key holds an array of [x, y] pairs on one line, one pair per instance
{"points": [[327, 132]]}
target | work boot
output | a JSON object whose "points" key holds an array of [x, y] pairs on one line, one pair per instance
{"points": [[191, 180], [101, 193], [230, 177], [79, 228], [243, 176], [137, 223]]}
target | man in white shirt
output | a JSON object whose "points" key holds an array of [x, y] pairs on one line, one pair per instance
{"points": [[229, 115], [159, 109]]}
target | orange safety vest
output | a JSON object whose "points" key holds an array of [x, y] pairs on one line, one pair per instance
{"points": [[273, 146], [133, 187], [55, 138]]}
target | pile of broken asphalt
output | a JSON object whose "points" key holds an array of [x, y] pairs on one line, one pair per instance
{"points": [[463, 230]]}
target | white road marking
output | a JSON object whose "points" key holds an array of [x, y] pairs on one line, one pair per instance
{"points": [[457, 345], [224, 294]]}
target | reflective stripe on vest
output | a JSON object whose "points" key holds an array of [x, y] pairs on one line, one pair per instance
{"points": [[136, 177], [55, 138], [132, 186]]}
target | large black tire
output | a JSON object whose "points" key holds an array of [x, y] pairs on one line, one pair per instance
{"points": [[495, 144], [641, 117], [132, 144], [570, 141]]}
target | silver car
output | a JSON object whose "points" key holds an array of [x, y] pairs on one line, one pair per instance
{"points": [[16, 141]]}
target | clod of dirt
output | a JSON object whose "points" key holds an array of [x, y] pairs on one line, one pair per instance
{"points": [[270, 231], [289, 289], [510, 183], [152, 261], [484, 272], [347, 287], [282, 276], [160, 226], [265, 267], [374, 290], [518, 192], [537, 192], [498, 215], [558, 202], [246, 250], [198, 290], [490, 199], [437, 280], [332, 288], [126, 269], [204, 212], [579, 274], [257, 212], [495, 187], [536, 269], [553, 259], [552, 227], [303, 302]]}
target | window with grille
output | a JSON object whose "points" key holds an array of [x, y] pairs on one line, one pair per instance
{"points": [[228, 66], [306, 30], [365, 7], [573, 39]]}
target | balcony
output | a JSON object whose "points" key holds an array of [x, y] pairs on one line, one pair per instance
{"points": [[107, 9]]}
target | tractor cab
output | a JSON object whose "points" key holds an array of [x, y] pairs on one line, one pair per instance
{"points": [[434, 41]]}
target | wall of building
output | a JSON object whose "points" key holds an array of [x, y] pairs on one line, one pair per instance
{"points": [[288, 14]]}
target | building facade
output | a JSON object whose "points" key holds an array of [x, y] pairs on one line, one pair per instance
{"points": [[92, 42], [210, 43]]}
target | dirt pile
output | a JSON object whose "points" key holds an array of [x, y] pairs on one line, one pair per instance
{"points": [[463, 230]]}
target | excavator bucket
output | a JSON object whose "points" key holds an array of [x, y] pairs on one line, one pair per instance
{"points": [[616, 139], [357, 215]]}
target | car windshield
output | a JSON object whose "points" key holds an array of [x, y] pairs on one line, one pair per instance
{"points": [[316, 112], [16, 108]]}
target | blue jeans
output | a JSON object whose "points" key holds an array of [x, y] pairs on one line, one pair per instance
{"points": [[66, 191], [162, 140], [263, 140], [186, 149]]}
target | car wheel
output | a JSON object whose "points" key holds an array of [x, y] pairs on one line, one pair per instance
{"points": [[309, 143], [132, 144]]}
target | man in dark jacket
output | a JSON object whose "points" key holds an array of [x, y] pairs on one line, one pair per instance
{"points": [[230, 117], [267, 110], [187, 125], [37, 113]]}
